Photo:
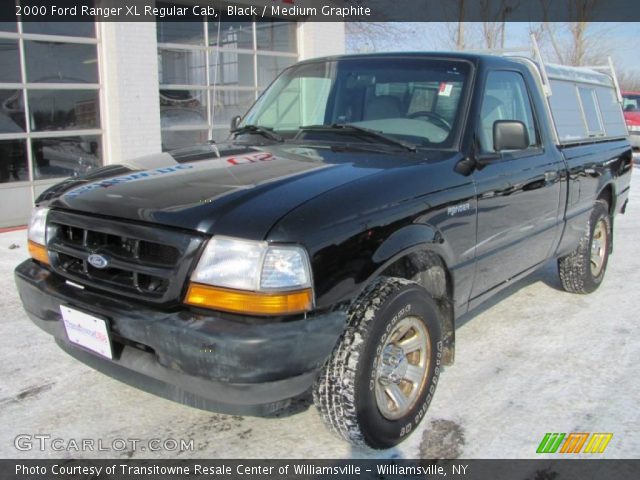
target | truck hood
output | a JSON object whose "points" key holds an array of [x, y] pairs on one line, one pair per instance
{"points": [[226, 189]]}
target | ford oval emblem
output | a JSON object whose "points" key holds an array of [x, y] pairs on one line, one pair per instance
{"points": [[97, 261]]}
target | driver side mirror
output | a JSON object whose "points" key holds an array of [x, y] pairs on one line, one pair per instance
{"points": [[235, 121], [510, 135]]}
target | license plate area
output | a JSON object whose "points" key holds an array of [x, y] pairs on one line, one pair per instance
{"points": [[87, 331]]}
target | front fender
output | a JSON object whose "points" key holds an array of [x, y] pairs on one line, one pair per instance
{"points": [[407, 240]]}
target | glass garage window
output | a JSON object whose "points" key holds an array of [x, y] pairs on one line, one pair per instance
{"points": [[65, 156], [50, 124], [181, 32], [180, 108], [182, 67], [230, 58], [270, 66], [8, 26], [13, 161], [63, 109], [220, 134], [64, 29], [231, 34], [11, 112], [232, 69], [9, 61], [190, 31], [226, 104], [276, 36], [54, 62], [172, 139]]}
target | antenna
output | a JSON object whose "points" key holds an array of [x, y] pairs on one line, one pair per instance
{"points": [[214, 99]]}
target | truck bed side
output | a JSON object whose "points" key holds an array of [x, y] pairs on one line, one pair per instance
{"points": [[594, 170]]}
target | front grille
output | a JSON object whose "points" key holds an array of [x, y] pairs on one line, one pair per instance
{"points": [[144, 262]]}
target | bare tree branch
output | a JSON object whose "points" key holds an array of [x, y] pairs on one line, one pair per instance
{"points": [[629, 80]]}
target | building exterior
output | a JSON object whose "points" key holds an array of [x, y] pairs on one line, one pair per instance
{"points": [[74, 96]]}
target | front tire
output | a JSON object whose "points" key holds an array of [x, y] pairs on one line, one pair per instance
{"points": [[377, 385], [582, 271]]}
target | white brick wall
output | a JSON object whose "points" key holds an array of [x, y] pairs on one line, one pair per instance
{"points": [[130, 102]]}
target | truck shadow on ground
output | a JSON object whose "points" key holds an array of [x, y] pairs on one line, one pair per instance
{"points": [[547, 274]]}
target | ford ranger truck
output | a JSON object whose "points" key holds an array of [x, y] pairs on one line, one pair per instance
{"points": [[360, 207]]}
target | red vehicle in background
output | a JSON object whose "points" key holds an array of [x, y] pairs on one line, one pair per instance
{"points": [[631, 107]]}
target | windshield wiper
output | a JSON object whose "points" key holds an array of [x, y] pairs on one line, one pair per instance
{"points": [[368, 131], [264, 131]]}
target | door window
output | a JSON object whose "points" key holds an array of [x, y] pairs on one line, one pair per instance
{"points": [[505, 98]]}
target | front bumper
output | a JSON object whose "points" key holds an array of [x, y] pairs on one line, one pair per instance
{"points": [[203, 360]]}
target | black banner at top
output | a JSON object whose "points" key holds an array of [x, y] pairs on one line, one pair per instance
{"points": [[322, 10]]}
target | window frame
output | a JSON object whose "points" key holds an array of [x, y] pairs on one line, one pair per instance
{"points": [[531, 150], [596, 104]]}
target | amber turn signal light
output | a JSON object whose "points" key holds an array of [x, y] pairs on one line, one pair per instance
{"points": [[38, 252], [249, 303]]}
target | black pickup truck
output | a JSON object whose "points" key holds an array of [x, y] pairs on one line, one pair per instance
{"points": [[360, 206]]}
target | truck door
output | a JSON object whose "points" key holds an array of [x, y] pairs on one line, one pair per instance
{"points": [[518, 191]]}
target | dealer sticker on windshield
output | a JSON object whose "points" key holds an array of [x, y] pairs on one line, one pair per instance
{"points": [[87, 331], [445, 89]]}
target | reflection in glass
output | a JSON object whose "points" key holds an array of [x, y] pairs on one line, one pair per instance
{"points": [[269, 68], [11, 111], [180, 32], [183, 107], [231, 34], [276, 36], [230, 68], [8, 26], [63, 109], [181, 67], [67, 29], [220, 134], [182, 138], [190, 31], [65, 157], [13, 161], [229, 103], [53, 62], [9, 61]]}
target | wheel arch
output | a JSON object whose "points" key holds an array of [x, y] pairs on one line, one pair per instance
{"points": [[419, 253], [607, 193]]}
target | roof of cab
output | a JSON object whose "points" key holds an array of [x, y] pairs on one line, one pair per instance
{"points": [[471, 57]]}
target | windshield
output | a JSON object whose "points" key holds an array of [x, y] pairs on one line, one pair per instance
{"points": [[631, 102], [418, 100]]}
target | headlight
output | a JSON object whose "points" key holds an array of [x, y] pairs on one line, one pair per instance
{"points": [[251, 277], [37, 234]]}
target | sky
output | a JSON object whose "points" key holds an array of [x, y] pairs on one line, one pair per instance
{"points": [[620, 40]]}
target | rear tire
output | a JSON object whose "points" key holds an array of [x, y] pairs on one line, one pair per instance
{"points": [[582, 271], [377, 385]]}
